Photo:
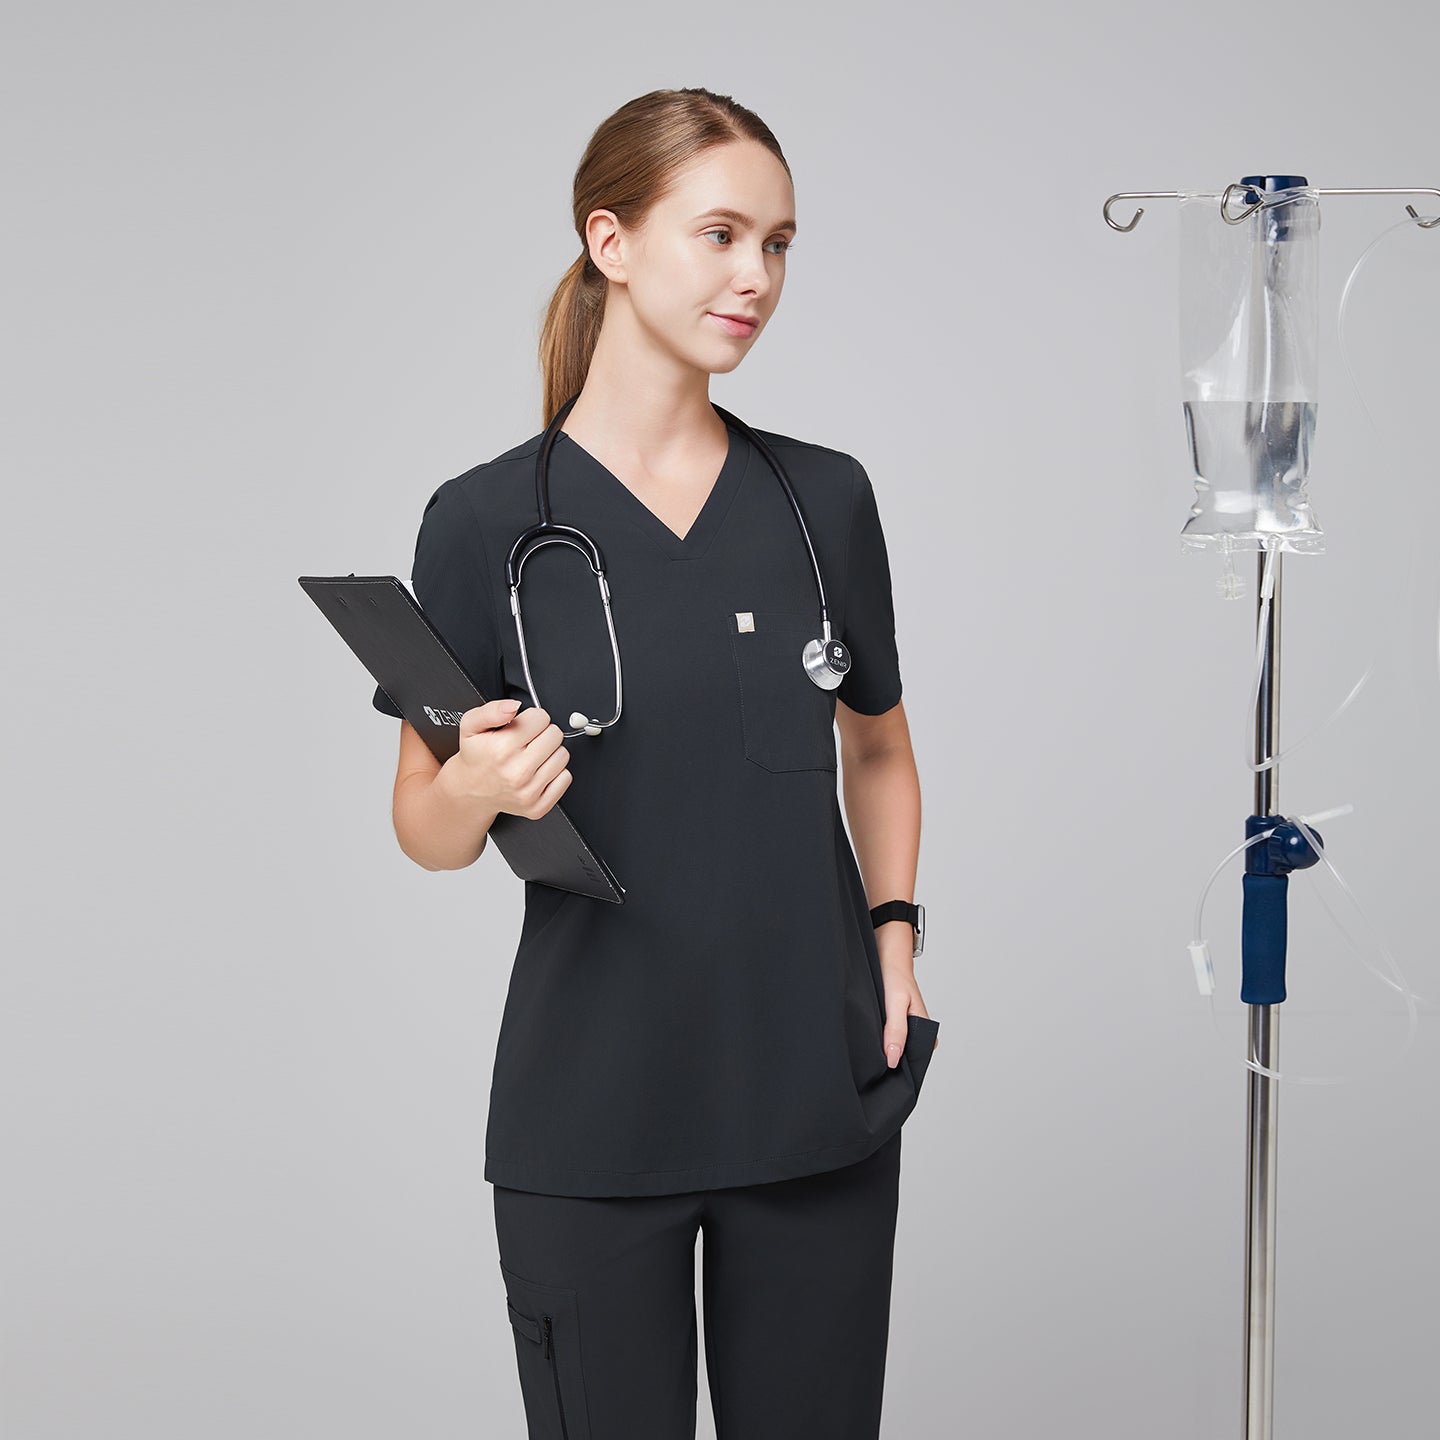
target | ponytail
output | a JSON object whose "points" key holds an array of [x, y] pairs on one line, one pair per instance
{"points": [[572, 326]]}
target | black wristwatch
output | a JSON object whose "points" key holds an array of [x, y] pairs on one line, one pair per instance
{"points": [[902, 910]]}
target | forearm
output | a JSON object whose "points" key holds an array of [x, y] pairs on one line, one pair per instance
{"points": [[882, 806], [437, 829]]}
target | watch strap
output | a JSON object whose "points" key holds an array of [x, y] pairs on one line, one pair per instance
{"points": [[895, 910], [902, 910]]}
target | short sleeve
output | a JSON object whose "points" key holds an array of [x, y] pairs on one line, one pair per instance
{"points": [[873, 683], [451, 580]]}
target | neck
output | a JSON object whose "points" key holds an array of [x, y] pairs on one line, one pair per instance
{"points": [[641, 404]]}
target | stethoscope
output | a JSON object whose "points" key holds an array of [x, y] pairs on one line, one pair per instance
{"points": [[826, 660]]}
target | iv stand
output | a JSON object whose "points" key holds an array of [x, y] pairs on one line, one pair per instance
{"points": [[1262, 990], [1264, 1090], [1263, 927]]}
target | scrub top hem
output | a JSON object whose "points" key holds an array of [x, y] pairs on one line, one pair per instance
{"points": [[546, 1180]]}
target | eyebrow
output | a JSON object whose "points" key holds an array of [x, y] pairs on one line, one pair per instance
{"points": [[736, 218]]}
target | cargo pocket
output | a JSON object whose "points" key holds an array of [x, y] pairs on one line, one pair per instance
{"points": [[787, 719], [920, 1045], [545, 1321]]}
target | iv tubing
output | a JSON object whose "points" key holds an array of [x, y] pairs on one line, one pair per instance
{"points": [[1198, 948], [1267, 584], [1267, 591]]}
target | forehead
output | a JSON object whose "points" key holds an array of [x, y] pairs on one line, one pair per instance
{"points": [[742, 176]]}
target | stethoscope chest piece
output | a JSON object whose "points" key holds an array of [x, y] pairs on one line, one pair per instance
{"points": [[827, 662]]}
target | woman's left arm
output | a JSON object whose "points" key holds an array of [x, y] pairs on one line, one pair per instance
{"points": [[882, 806]]}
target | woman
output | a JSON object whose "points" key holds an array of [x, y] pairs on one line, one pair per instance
{"points": [[732, 1049]]}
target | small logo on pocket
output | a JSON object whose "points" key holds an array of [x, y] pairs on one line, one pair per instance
{"points": [[744, 620]]}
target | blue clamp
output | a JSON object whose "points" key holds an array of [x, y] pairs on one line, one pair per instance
{"points": [[1263, 920]]}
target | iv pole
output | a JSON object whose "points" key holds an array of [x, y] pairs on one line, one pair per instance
{"points": [[1267, 867], [1263, 1103]]}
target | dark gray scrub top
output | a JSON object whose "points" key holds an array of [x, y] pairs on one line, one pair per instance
{"points": [[723, 1026]]}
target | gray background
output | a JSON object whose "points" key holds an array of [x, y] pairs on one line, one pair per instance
{"points": [[274, 273]]}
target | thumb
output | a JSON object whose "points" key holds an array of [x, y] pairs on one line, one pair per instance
{"points": [[489, 716]]}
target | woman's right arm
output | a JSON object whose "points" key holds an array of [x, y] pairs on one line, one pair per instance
{"points": [[505, 762]]}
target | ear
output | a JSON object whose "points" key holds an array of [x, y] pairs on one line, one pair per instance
{"points": [[605, 243]]}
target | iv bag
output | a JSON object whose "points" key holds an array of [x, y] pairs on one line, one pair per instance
{"points": [[1249, 351]]}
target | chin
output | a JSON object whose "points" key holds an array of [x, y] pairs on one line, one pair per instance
{"points": [[722, 359]]}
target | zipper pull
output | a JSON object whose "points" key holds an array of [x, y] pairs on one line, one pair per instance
{"points": [[547, 1338]]}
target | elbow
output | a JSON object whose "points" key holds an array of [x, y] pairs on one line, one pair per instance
{"points": [[430, 862]]}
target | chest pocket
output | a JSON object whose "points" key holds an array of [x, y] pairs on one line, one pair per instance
{"points": [[787, 720]]}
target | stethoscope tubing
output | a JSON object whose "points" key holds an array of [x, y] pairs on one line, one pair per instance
{"points": [[547, 532]]}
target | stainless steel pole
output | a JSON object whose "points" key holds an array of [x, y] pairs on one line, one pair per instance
{"points": [[1264, 1096]]}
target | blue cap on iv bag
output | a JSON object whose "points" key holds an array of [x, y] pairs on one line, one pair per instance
{"points": [[1278, 217], [1271, 182]]}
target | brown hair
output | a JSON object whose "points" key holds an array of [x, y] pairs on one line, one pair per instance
{"points": [[626, 167]]}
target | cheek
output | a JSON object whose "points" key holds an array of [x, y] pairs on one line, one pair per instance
{"points": [[677, 293]]}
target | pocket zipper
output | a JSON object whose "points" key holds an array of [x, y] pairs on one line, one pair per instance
{"points": [[555, 1375]]}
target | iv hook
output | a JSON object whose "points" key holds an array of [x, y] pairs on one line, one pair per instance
{"points": [[1114, 224]]}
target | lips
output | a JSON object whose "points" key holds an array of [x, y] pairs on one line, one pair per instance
{"points": [[735, 324]]}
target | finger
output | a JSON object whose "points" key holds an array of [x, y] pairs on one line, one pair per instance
{"points": [[894, 1044], [489, 716], [547, 741], [553, 764], [529, 723], [553, 791]]}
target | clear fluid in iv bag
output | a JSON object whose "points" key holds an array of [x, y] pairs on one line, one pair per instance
{"points": [[1251, 460]]}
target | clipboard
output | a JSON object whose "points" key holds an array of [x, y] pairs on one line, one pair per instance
{"points": [[392, 637]]}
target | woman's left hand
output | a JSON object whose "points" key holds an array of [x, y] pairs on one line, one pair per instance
{"points": [[902, 994]]}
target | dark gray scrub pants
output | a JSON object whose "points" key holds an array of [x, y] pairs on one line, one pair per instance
{"points": [[796, 1283]]}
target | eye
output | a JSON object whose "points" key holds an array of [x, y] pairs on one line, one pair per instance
{"points": [[786, 245]]}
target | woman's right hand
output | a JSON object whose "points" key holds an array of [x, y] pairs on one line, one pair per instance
{"points": [[508, 761]]}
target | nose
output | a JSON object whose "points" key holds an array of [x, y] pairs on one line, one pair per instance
{"points": [[752, 277]]}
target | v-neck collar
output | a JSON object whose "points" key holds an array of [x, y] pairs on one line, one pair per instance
{"points": [[712, 513]]}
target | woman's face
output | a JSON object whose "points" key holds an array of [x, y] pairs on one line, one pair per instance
{"points": [[691, 261]]}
